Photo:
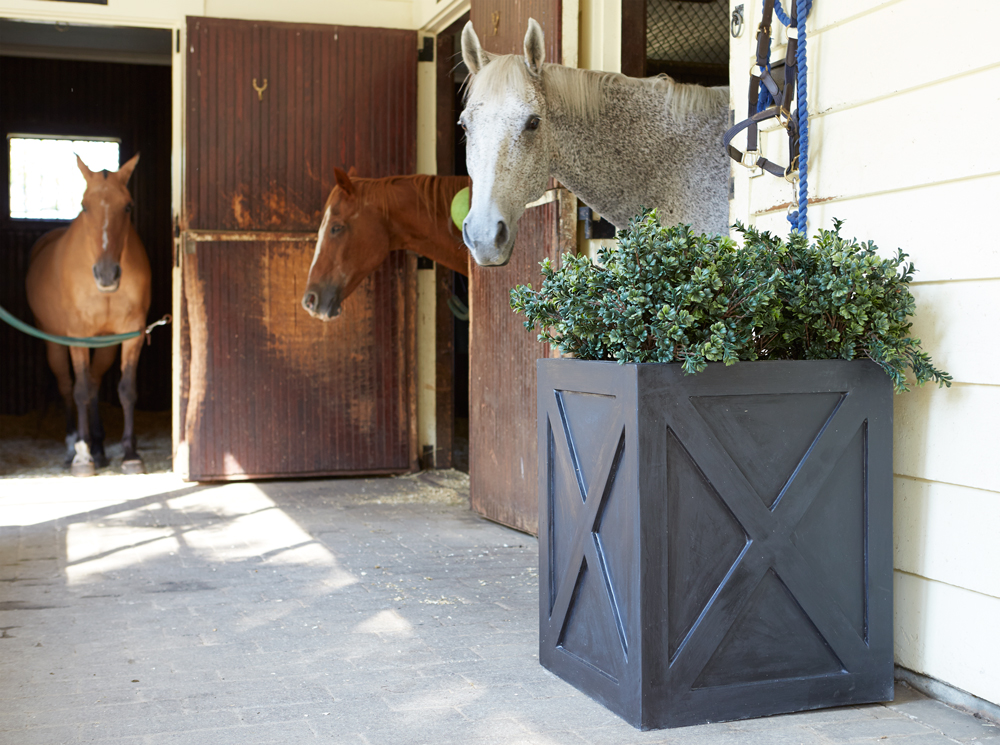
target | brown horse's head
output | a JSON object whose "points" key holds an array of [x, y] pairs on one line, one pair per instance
{"points": [[353, 240], [105, 217]]}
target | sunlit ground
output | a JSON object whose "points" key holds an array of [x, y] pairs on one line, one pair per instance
{"points": [[313, 609]]}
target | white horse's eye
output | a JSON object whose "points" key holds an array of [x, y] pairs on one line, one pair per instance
{"points": [[533, 123]]}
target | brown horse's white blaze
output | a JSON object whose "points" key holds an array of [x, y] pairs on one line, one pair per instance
{"points": [[365, 219], [93, 279]]}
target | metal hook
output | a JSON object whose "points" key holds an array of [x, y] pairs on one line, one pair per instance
{"points": [[163, 321], [736, 22], [792, 173], [496, 23], [260, 89]]}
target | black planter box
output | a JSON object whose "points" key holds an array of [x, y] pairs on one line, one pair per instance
{"points": [[716, 546]]}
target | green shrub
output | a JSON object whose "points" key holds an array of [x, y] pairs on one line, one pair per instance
{"points": [[663, 294]]}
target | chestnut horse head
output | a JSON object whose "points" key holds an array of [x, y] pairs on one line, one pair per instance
{"points": [[104, 221], [353, 240], [364, 219]]}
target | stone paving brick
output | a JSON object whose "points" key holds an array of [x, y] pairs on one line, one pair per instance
{"points": [[886, 728], [276, 733], [302, 612], [61, 735], [955, 724]]}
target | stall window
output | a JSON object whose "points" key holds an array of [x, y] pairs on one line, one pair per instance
{"points": [[45, 182]]}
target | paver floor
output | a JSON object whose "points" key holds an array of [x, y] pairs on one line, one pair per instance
{"points": [[147, 610]]}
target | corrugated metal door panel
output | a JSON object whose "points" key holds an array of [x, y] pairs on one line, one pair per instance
{"points": [[279, 393], [267, 390], [503, 450], [259, 155], [502, 438], [501, 25]]}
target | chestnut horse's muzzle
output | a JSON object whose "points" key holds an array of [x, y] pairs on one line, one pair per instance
{"points": [[107, 275], [322, 302]]}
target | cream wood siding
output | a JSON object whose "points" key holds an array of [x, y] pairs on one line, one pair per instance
{"points": [[903, 97]]}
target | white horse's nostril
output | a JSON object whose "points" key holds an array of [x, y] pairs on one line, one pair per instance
{"points": [[502, 235]]}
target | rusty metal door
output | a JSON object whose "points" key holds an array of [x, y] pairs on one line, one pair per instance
{"points": [[265, 390], [502, 401]]}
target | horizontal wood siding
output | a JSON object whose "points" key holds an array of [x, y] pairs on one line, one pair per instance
{"points": [[901, 151]]}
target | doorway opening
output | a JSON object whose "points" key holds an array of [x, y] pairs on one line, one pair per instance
{"points": [[451, 75], [100, 84]]}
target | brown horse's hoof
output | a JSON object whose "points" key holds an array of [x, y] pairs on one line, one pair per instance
{"points": [[133, 466], [82, 469]]}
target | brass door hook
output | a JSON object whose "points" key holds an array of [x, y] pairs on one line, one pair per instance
{"points": [[260, 89]]}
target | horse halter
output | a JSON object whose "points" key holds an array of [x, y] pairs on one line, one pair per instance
{"points": [[760, 74]]}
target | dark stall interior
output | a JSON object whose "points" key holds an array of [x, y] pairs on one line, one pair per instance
{"points": [[451, 74], [86, 81]]}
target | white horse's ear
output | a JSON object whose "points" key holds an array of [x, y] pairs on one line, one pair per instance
{"points": [[534, 47], [87, 173], [125, 172], [474, 56]]}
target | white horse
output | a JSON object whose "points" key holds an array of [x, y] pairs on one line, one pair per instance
{"points": [[619, 143]]}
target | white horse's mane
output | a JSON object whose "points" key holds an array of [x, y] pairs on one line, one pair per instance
{"points": [[582, 92]]}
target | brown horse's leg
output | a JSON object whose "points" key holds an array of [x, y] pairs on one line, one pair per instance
{"points": [[100, 362], [83, 392], [127, 394], [58, 357]]}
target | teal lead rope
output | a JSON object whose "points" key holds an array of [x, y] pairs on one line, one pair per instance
{"points": [[84, 341]]}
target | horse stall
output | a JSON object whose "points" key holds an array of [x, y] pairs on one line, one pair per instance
{"points": [[85, 82], [264, 389]]}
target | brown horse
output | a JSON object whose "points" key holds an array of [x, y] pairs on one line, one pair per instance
{"points": [[92, 279], [366, 218]]}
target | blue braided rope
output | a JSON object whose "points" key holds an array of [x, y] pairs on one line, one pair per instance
{"points": [[799, 219], [802, 110]]}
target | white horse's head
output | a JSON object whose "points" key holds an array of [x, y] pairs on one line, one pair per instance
{"points": [[508, 145]]}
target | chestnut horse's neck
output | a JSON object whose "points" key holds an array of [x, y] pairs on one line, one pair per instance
{"points": [[417, 210]]}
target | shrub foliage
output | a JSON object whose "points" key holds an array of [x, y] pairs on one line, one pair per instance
{"points": [[664, 294]]}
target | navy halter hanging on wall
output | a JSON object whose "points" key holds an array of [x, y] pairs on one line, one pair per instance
{"points": [[767, 101]]}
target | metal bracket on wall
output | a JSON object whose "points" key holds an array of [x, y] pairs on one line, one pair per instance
{"points": [[426, 53]]}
